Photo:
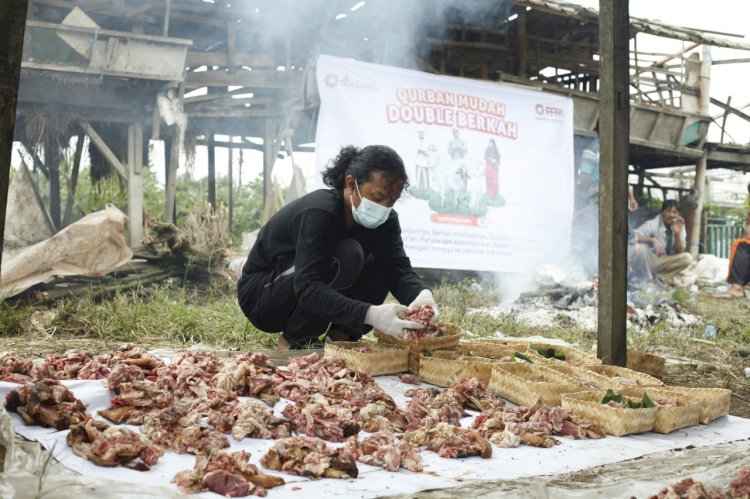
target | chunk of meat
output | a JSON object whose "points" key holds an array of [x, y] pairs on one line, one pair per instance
{"points": [[317, 416], [385, 449], [473, 394], [10, 363], [409, 379], [106, 445], [254, 420], [46, 403], [229, 474], [182, 433], [423, 315], [311, 457], [450, 441]]}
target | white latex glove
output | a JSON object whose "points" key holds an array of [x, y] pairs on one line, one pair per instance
{"points": [[385, 318], [425, 298]]}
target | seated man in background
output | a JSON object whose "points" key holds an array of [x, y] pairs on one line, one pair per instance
{"points": [[739, 265], [660, 246]]}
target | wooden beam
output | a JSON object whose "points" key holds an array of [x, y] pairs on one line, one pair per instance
{"points": [[724, 120], [37, 162], [661, 62], [727, 107], [73, 184], [614, 126], [12, 25], [254, 79], [141, 9], [105, 150]]}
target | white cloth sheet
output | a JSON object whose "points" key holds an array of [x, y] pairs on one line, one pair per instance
{"points": [[524, 461]]}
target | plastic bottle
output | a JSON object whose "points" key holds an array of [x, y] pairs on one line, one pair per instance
{"points": [[710, 332]]}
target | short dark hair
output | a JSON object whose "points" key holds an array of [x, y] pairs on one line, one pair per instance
{"points": [[362, 163], [669, 203]]}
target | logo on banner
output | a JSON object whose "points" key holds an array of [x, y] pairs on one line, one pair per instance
{"points": [[549, 113], [332, 80]]}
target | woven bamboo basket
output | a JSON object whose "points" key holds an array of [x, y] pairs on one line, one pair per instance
{"points": [[445, 367], [646, 363], [669, 419], [498, 351], [379, 360], [573, 356], [448, 341], [639, 379], [501, 341], [613, 420], [714, 402], [582, 376], [523, 383]]}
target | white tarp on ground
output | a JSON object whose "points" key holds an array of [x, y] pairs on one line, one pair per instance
{"points": [[92, 246], [470, 205], [520, 462]]}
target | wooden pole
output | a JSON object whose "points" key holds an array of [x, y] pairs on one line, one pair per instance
{"points": [[135, 184], [522, 40], [614, 126], [12, 23], [700, 168], [211, 170], [167, 11], [268, 161], [68, 216], [172, 157], [230, 183], [52, 159]]}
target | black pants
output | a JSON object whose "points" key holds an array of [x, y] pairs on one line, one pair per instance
{"points": [[269, 302], [739, 272]]}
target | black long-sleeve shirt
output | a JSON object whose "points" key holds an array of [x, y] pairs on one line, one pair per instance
{"points": [[306, 232]]}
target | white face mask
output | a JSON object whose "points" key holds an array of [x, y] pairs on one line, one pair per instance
{"points": [[369, 214]]}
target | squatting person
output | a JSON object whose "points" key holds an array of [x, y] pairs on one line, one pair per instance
{"points": [[330, 257], [660, 246]]}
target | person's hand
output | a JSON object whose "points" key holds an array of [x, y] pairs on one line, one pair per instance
{"points": [[385, 318], [425, 298], [677, 225], [659, 247], [632, 204]]}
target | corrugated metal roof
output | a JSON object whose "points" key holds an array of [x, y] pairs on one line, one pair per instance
{"points": [[637, 24]]}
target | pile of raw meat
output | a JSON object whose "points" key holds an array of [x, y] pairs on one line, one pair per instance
{"points": [[423, 314], [196, 401]]}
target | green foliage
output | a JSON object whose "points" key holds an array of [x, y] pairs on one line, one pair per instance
{"points": [[13, 318], [93, 196], [160, 317], [682, 296]]}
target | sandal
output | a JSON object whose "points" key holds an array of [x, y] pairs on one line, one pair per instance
{"points": [[303, 344]]}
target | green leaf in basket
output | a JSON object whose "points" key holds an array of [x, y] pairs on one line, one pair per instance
{"points": [[646, 402], [547, 353], [427, 353], [612, 396], [520, 356]]}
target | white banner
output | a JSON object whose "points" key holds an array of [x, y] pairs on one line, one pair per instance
{"points": [[490, 165]]}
